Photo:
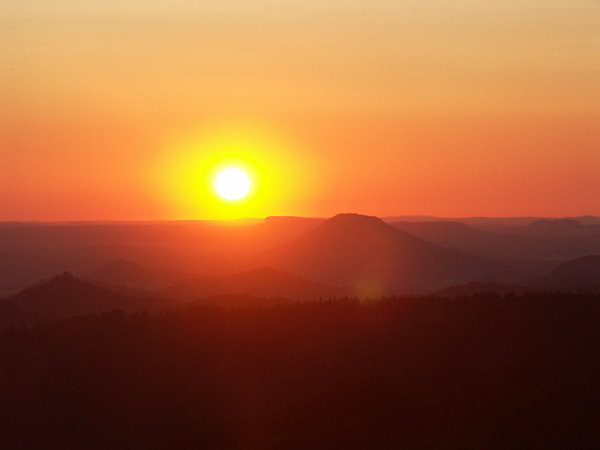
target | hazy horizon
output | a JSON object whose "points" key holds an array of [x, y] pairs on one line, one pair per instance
{"points": [[411, 217]]}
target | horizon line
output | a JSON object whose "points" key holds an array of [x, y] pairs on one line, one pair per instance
{"points": [[260, 219]]}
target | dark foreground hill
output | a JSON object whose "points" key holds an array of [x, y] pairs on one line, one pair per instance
{"points": [[419, 373], [65, 296], [374, 258]]}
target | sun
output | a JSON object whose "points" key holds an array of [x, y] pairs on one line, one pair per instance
{"points": [[232, 184]]}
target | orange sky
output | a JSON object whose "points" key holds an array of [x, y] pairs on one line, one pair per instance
{"points": [[120, 109]]}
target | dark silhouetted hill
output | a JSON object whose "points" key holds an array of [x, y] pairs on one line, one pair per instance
{"points": [[65, 296], [262, 282], [375, 258]]}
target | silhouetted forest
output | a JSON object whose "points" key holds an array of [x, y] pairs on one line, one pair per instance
{"points": [[414, 372]]}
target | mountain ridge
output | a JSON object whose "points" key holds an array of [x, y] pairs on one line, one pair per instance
{"points": [[374, 258], [65, 295]]}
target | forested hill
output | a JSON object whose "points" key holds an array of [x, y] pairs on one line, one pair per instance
{"points": [[416, 372]]}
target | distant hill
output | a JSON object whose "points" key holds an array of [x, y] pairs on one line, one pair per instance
{"points": [[581, 274], [503, 222], [374, 258], [562, 226], [451, 235], [127, 273], [33, 251], [262, 282], [555, 225], [65, 296], [541, 240]]}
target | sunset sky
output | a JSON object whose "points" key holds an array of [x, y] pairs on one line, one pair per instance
{"points": [[125, 109]]}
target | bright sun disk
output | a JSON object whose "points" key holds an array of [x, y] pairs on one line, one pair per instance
{"points": [[232, 184]]}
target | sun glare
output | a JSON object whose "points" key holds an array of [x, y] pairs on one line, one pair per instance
{"points": [[232, 184], [227, 171]]}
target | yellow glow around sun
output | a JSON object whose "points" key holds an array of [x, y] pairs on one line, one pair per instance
{"points": [[232, 184], [228, 172]]}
